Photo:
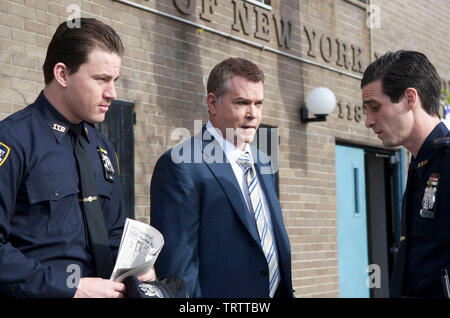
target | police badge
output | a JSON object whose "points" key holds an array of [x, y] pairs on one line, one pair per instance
{"points": [[429, 197], [151, 290], [108, 168]]}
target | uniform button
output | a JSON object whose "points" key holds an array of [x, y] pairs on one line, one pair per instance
{"points": [[402, 238], [263, 273], [56, 193]]}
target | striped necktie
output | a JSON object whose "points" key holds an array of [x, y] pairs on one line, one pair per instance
{"points": [[265, 235]]}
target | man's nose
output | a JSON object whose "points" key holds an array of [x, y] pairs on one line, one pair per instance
{"points": [[370, 121], [110, 91], [251, 110]]}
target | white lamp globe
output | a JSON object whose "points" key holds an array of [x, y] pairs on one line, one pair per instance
{"points": [[321, 101]]}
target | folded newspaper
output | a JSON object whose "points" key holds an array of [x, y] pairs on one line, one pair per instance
{"points": [[138, 251]]}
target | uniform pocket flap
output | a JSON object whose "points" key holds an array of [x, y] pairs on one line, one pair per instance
{"points": [[50, 188]]}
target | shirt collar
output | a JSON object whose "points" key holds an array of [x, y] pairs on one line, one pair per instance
{"points": [[231, 151], [427, 149], [57, 123]]}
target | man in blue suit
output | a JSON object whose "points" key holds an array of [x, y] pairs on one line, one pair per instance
{"points": [[213, 198]]}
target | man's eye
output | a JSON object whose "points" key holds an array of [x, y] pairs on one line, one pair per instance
{"points": [[372, 108]]}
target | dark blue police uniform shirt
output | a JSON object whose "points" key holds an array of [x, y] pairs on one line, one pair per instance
{"points": [[42, 228], [427, 241]]}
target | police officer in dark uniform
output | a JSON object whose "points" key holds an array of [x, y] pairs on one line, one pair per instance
{"points": [[400, 93], [424, 241], [51, 232]]}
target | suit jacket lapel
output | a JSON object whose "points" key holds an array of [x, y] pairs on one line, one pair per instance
{"points": [[224, 174]]}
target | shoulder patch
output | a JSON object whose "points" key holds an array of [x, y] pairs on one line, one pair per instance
{"points": [[4, 152]]}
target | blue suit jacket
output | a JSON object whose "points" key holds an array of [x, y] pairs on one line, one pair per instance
{"points": [[211, 239]]}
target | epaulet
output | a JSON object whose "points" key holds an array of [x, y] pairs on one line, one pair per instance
{"points": [[8, 122]]}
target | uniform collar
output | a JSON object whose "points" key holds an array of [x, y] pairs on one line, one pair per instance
{"points": [[426, 151], [57, 123]]}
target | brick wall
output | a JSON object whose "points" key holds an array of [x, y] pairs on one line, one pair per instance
{"points": [[164, 73]]}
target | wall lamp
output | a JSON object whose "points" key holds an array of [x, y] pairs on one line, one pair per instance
{"points": [[320, 102]]}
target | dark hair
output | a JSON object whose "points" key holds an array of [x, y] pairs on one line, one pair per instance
{"points": [[222, 72], [402, 69], [72, 45]]}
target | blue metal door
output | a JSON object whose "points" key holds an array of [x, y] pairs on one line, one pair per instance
{"points": [[352, 222]]}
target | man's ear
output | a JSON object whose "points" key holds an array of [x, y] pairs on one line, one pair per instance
{"points": [[61, 74], [411, 97], [212, 101]]}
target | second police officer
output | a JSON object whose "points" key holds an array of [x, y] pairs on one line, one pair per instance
{"points": [[401, 92]]}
